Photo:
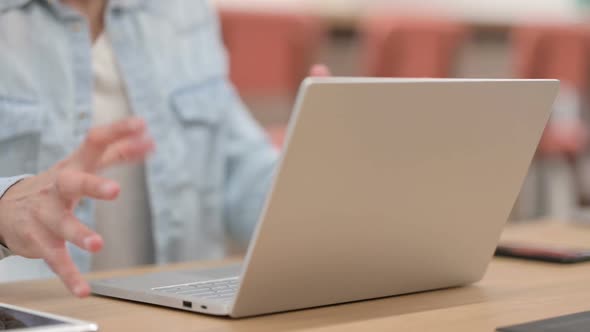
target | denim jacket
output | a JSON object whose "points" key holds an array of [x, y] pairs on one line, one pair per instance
{"points": [[209, 175]]}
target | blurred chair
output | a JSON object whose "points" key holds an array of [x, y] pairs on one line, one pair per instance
{"points": [[563, 52], [560, 52], [269, 54], [411, 47]]}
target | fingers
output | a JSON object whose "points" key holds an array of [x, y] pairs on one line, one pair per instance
{"points": [[564, 138], [61, 263], [100, 138], [54, 252], [320, 70], [127, 151], [57, 218], [70, 229], [72, 185]]}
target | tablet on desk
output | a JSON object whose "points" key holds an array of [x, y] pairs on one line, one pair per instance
{"points": [[546, 241], [579, 322], [14, 318], [543, 253]]}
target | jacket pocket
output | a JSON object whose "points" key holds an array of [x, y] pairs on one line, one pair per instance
{"points": [[20, 135], [201, 109]]}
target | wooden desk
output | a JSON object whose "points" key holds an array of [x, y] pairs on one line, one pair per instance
{"points": [[511, 292]]}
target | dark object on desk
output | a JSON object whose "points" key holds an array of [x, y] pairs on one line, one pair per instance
{"points": [[8, 322], [571, 323], [11, 319], [537, 253]]}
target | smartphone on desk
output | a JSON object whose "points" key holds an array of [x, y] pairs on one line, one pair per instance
{"points": [[13, 318], [543, 254]]}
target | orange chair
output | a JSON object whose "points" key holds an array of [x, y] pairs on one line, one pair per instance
{"points": [[411, 47], [270, 53]]}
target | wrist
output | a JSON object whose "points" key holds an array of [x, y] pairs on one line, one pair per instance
{"points": [[6, 203], [8, 190]]}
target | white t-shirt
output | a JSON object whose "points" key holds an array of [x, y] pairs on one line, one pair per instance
{"points": [[124, 223]]}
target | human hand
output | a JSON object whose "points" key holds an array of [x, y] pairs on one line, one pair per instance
{"points": [[564, 138], [37, 213]]}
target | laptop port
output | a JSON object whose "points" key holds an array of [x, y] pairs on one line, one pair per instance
{"points": [[187, 304]]}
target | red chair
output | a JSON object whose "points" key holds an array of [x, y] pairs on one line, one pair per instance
{"points": [[411, 47], [270, 53], [560, 52]]}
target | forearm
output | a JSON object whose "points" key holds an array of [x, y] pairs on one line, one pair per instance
{"points": [[245, 200]]}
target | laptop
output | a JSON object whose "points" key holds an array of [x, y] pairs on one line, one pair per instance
{"points": [[384, 187]]}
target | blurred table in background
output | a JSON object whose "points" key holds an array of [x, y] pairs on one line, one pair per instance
{"points": [[549, 233], [488, 51], [346, 13]]}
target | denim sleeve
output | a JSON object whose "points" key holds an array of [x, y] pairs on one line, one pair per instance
{"points": [[251, 160], [5, 184], [4, 252], [251, 163]]}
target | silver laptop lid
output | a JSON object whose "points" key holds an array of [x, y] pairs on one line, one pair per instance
{"points": [[391, 186]]}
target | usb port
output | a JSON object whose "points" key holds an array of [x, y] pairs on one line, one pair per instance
{"points": [[187, 304]]}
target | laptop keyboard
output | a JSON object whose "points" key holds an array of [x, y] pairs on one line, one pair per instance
{"points": [[223, 289]]}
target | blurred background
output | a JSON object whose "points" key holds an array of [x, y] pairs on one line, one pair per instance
{"points": [[273, 43]]}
